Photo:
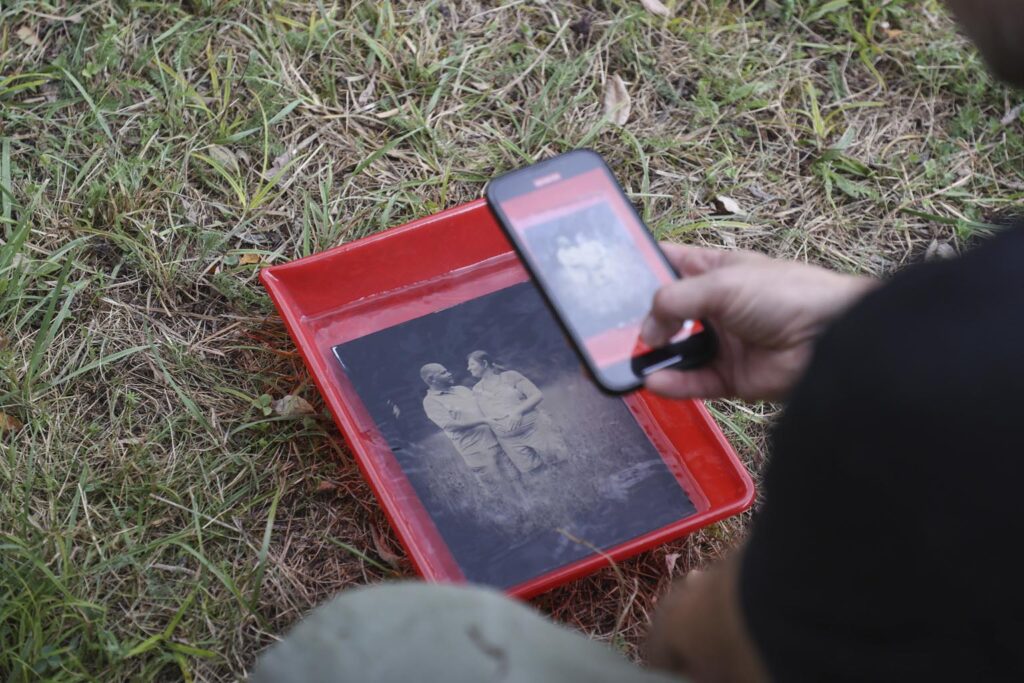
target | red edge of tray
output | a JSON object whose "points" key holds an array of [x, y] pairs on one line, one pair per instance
{"points": [[271, 280]]}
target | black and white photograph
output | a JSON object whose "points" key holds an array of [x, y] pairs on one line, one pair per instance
{"points": [[523, 465], [591, 263]]}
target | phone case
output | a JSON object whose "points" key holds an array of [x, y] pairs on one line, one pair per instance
{"points": [[511, 470]]}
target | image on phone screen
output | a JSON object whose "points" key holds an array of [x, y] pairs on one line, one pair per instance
{"points": [[594, 268], [593, 258]]}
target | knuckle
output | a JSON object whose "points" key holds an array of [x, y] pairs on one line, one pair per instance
{"points": [[663, 300]]}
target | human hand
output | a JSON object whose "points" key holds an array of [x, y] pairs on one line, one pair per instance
{"points": [[699, 630], [663, 647], [767, 314]]}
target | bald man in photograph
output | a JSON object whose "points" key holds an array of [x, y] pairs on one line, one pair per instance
{"points": [[454, 409]]}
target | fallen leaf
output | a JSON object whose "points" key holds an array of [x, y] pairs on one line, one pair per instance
{"points": [[250, 259], [224, 156], [292, 406], [368, 93], [1012, 115], [727, 205], [9, 423], [29, 37], [281, 161], [389, 113], [49, 92], [325, 486], [670, 562], [762, 194], [384, 551], [939, 251], [617, 103], [655, 7], [191, 211], [254, 238]]}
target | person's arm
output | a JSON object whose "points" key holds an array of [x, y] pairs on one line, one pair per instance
{"points": [[440, 416], [699, 630], [767, 314], [530, 391], [846, 572], [467, 423]]}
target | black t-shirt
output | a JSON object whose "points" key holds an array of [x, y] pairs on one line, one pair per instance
{"points": [[887, 545]]}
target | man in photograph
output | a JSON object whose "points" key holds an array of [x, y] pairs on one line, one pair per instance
{"points": [[511, 404], [454, 409]]}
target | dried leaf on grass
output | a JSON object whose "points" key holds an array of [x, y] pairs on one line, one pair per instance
{"points": [[762, 194], [1012, 115], [384, 551], [939, 251], [28, 36], [326, 486], [9, 423], [280, 162], [656, 7], [617, 103], [670, 562], [224, 156], [368, 94], [727, 205], [283, 161], [292, 406]]}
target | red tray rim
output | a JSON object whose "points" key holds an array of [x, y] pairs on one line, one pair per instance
{"points": [[269, 279]]}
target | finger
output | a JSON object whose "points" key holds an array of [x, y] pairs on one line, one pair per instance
{"points": [[697, 297], [691, 261], [681, 384]]}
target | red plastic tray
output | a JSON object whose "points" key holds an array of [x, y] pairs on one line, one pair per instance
{"points": [[429, 264]]}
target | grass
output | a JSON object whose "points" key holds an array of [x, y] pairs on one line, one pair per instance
{"points": [[157, 522]]}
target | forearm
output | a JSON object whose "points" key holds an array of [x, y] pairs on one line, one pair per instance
{"points": [[465, 424], [530, 403]]}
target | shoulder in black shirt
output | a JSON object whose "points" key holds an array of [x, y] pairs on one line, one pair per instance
{"points": [[885, 547]]}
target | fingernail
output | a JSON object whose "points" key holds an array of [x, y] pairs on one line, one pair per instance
{"points": [[649, 331]]}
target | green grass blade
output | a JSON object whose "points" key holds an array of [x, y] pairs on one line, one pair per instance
{"points": [[261, 561], [92, 105]]}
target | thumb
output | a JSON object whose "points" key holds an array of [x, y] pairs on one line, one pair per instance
{"points": [[689, 299]]}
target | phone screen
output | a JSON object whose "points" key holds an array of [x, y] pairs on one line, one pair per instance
{"points": [[595, 260]]}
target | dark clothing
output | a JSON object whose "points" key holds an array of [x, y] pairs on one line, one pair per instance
{"points": [[884, 549]]}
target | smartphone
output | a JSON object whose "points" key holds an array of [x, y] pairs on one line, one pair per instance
{"points": [[597, 265]]}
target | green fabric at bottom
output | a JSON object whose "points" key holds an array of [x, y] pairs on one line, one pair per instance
{"points": [[415, 632]]}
